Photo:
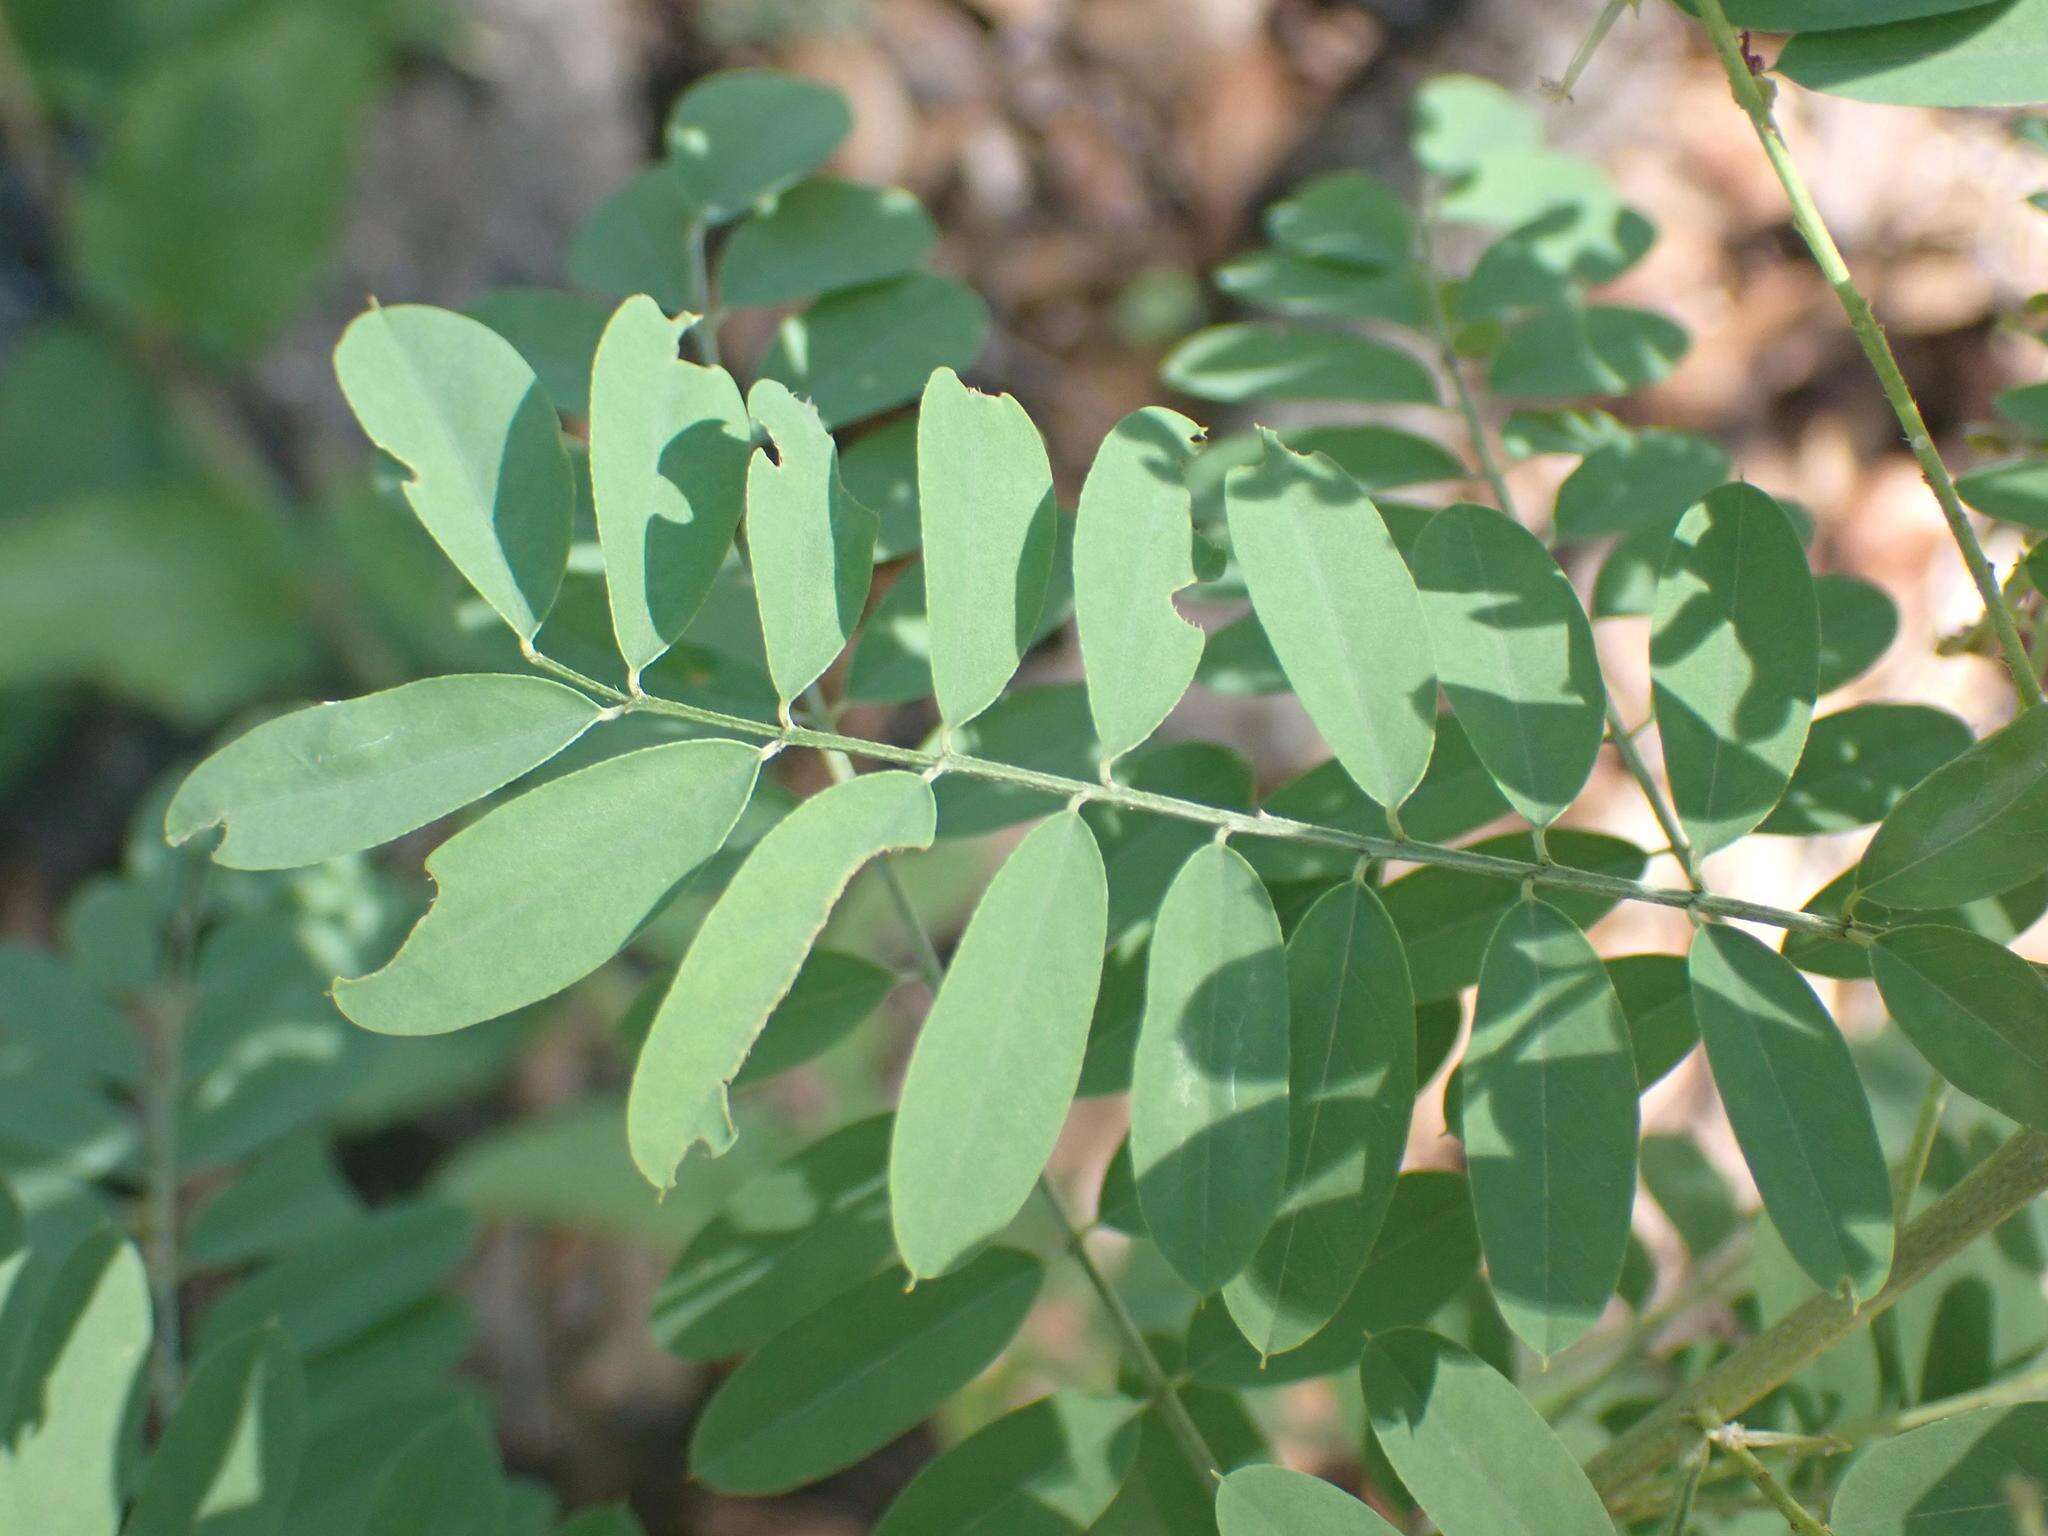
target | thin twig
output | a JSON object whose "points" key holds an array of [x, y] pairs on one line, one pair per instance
{"points": [[1913, 1163], [1802, 1520], [1750, 95]]}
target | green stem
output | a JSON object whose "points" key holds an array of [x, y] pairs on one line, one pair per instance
{"points": [[1186, 1433], [1454, 369], [162, 1038], [2018, 1389], [1999, 1186], [1689, 1491], [1913, 1162], [706, 329], [1798, 1516], [1806, 217], [1595, 36], [1226, 822], [1667, 819]]}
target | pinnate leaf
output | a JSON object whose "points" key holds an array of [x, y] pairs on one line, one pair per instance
{"points": [[338, 778], [746, 955], [545, 888]]}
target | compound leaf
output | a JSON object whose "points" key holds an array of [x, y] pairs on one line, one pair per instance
{"points": [[450, 399], [1974, 1009], [1798, 1108], [1549, 1126], [999, 1056], [1476, 1456], [746, 955], [1209, 1120], [812, 545], [850, 1377], [669, 441], [1515, 652], [1133, 550], [338, 778], [1351, 1093], [1342, 613], [544, 889], [1734, 654], [984, 492]]}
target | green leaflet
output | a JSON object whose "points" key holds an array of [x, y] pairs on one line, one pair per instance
{"points": [[1473, 1452], [1975, 1010], [880, 468], [718, 151], [1344, 216], [1209, 1131], [1734, 655], [669, 442], [1277, 1501], [451, 400], [788, 1240], [1990, 56], [1830, 15], [1858, 764], [1963, 1476], [997, 1062], [1598, 350], [1046, 1469], [1427, 1252], [854, 353], [1656, 998], [85, 1342], [1380, 458], [637, 241], [1515, 653], [230, 1452], [1975, 827], [1133, 550], [1549, 1126], [1798, 1108], [1647, 477], [1351, 1093], [1238, 362], [832, 995], [984, 493], [1447, 916], [747, 953], [545, 888], [1691, 1192], [339, 778], [850, 1377], [446, 1482], [1342, 614], [556, 332], [812, 545], [2013, 492], [820, 236], [1286, 283]]}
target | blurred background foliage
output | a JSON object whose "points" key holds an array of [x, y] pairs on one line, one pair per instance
{"points": [[196, 194]]}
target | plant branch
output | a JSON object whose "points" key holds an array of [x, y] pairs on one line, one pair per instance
{"points": [[1751, 96], [1802, 1520], [1667, 819], [1912, 1166], [1227, 822], [1999, 1186], [1454, 369]]}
